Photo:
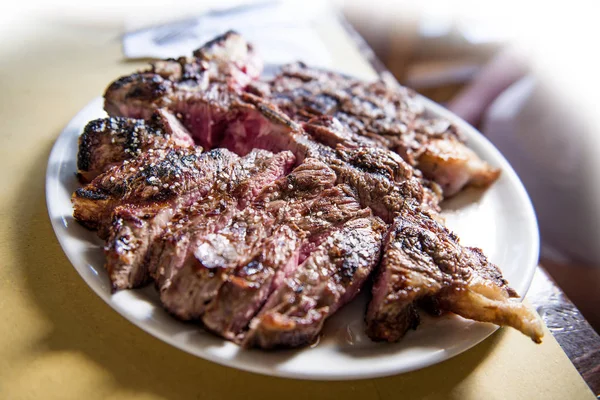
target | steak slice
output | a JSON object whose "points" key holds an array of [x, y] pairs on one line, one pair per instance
{"points": [[200, 90], [231, 192], [131, 232], [423, 260], [249, 284], [384, 182], [300, 226], [384, 116], [330, 277], [136, 229], [157, 177], [211, 258], [132, 203], [107, 142]]}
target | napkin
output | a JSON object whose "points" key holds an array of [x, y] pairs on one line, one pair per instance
{"points": [[281, 30]]}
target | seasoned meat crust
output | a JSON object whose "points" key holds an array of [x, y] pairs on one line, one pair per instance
{"points": [[201, 89], [424, 261], [378, 115], [108, 142], [310, 183], [327, 279], [137, 232], [131, 203]]}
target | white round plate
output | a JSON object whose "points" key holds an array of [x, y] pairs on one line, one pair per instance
{"points": [[500, 220]]}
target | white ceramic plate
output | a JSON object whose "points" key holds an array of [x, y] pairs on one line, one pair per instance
{"points": [[500, 220]]}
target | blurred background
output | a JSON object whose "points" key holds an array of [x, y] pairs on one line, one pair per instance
{"points": [[523, 72]]}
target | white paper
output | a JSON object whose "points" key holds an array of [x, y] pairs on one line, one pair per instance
{"points": [[281, 32]]}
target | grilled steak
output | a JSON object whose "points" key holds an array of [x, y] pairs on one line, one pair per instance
{"points": [[136, 230], [200, 90], [207, 97], [156, 177], [381, 178], [299, 226], [327, 279], [230, 194], [382, 116], [423, 260], [108, 142], [261, 255], [131, 203], [231, 268]]}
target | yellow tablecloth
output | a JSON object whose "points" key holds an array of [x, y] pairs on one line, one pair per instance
{"points": [[58, 340]]}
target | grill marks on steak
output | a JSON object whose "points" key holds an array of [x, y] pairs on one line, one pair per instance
{"points": [[108, 142], [424, 261], [131, 244], [139, 198], [156, 177], [227, 276], [247, 287], [300, 223], [388, 117], [131, 233], [202, 90], [303, 93], [278, 210], [230, 194], [205, 92], [382, 180], [327, 279]]}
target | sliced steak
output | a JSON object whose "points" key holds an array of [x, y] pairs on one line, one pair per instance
{"points": [[330, 277], [381, 178], [423, 260], [201, 103], [231, 192], [383, 116], [211, 258], [200, 90], [383, 181], [219, 115], [299, 227], [132, 230], [248, 286], [135, 230], [265, 263], [204, 91], [156, 177], [108, 142], [130, 204]]}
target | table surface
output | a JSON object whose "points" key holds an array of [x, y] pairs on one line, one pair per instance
{"points": [[575, 335], [59, 341]]}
